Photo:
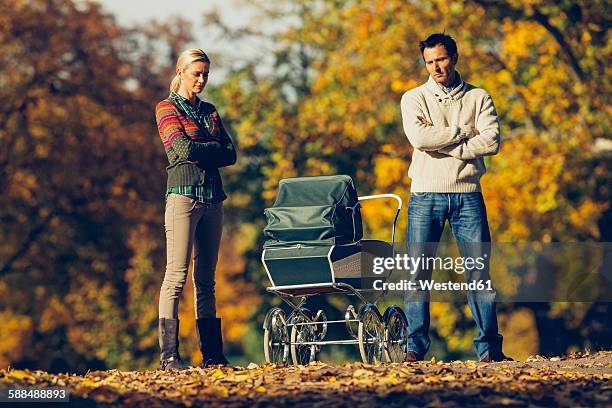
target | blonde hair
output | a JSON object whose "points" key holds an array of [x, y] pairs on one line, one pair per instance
{"points": [[186, 58]]}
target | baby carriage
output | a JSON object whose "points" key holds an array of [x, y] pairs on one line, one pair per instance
{"points": [[315, 245]]}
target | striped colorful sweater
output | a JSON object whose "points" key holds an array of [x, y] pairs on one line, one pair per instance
{"points": [[194, 156]]}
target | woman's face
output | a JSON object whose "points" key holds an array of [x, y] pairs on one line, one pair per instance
{"points": [[194, 77]]}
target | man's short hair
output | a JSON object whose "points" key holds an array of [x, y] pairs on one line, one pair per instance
{"points": [[442, 39]]}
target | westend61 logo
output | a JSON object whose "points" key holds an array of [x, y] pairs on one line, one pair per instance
{"points": [[385, 265], [414, 264]]}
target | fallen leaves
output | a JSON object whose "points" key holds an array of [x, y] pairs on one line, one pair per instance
{"points": [[542, 382]]}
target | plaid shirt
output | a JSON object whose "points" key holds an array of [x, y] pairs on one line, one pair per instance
{"points": [[209, 193]]}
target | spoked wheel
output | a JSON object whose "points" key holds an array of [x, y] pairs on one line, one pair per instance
{"points": [[351, 320], [302, 353], [396, 335], [276, 338], [320, 329], [370, 335]]}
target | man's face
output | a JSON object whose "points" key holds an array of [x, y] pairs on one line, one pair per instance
{"points": [[440, 65]]}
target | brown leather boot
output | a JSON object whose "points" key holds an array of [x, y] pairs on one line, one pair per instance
{"points": [[211, 341], [170, 358]]}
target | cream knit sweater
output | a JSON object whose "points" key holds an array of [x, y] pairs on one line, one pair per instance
{"points": [[447, 158]]}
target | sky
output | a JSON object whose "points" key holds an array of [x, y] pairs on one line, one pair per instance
{"points": [[138, 11], [233, 13]]}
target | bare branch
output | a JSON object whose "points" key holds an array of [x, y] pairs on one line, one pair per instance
{"points": [[506, 9], [25, 245]]}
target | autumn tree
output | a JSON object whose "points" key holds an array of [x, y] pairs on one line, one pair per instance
{"points": [[82, 187], [543, 63], [82, 168]]}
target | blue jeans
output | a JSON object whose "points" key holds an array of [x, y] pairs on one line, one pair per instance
{"points": [[466, 213]]}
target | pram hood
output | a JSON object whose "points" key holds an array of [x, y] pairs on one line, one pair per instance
{"points": [[322, 210]]}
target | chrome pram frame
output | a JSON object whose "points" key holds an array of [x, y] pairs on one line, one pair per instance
{"points": [[301, 334]]}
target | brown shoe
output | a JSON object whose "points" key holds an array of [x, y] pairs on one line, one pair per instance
{"points": [[411, 357], [502, 357]]}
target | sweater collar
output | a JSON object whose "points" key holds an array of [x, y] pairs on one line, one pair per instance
{"points": [[457, 88]]}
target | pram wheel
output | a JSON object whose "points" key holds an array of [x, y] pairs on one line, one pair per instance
{"points": [[276, 339], [321, 317], [302, 331], [396, 335], [370, 334], [351, 320]]}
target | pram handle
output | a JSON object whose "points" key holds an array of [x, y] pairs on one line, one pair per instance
{"points": [[372, 197], [399, 209]]}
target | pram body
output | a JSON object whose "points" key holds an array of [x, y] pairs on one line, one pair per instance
{"points": [[315, 245]]}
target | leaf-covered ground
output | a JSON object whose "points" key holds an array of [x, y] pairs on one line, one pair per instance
{"points": [[575, 380]]}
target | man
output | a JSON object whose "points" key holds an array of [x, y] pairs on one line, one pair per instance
{"points": [[451, 125]]}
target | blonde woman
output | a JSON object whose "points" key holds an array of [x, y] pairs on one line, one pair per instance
{"points": [[197, 145]]}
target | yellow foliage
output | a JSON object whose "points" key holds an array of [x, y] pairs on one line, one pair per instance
{"points": [[16, 335], [520, 333]]}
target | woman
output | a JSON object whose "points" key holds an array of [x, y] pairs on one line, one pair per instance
{"points": [[196, 144]]}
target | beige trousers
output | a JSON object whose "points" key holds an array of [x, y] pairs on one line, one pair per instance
{"points": [[190, 226]]}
